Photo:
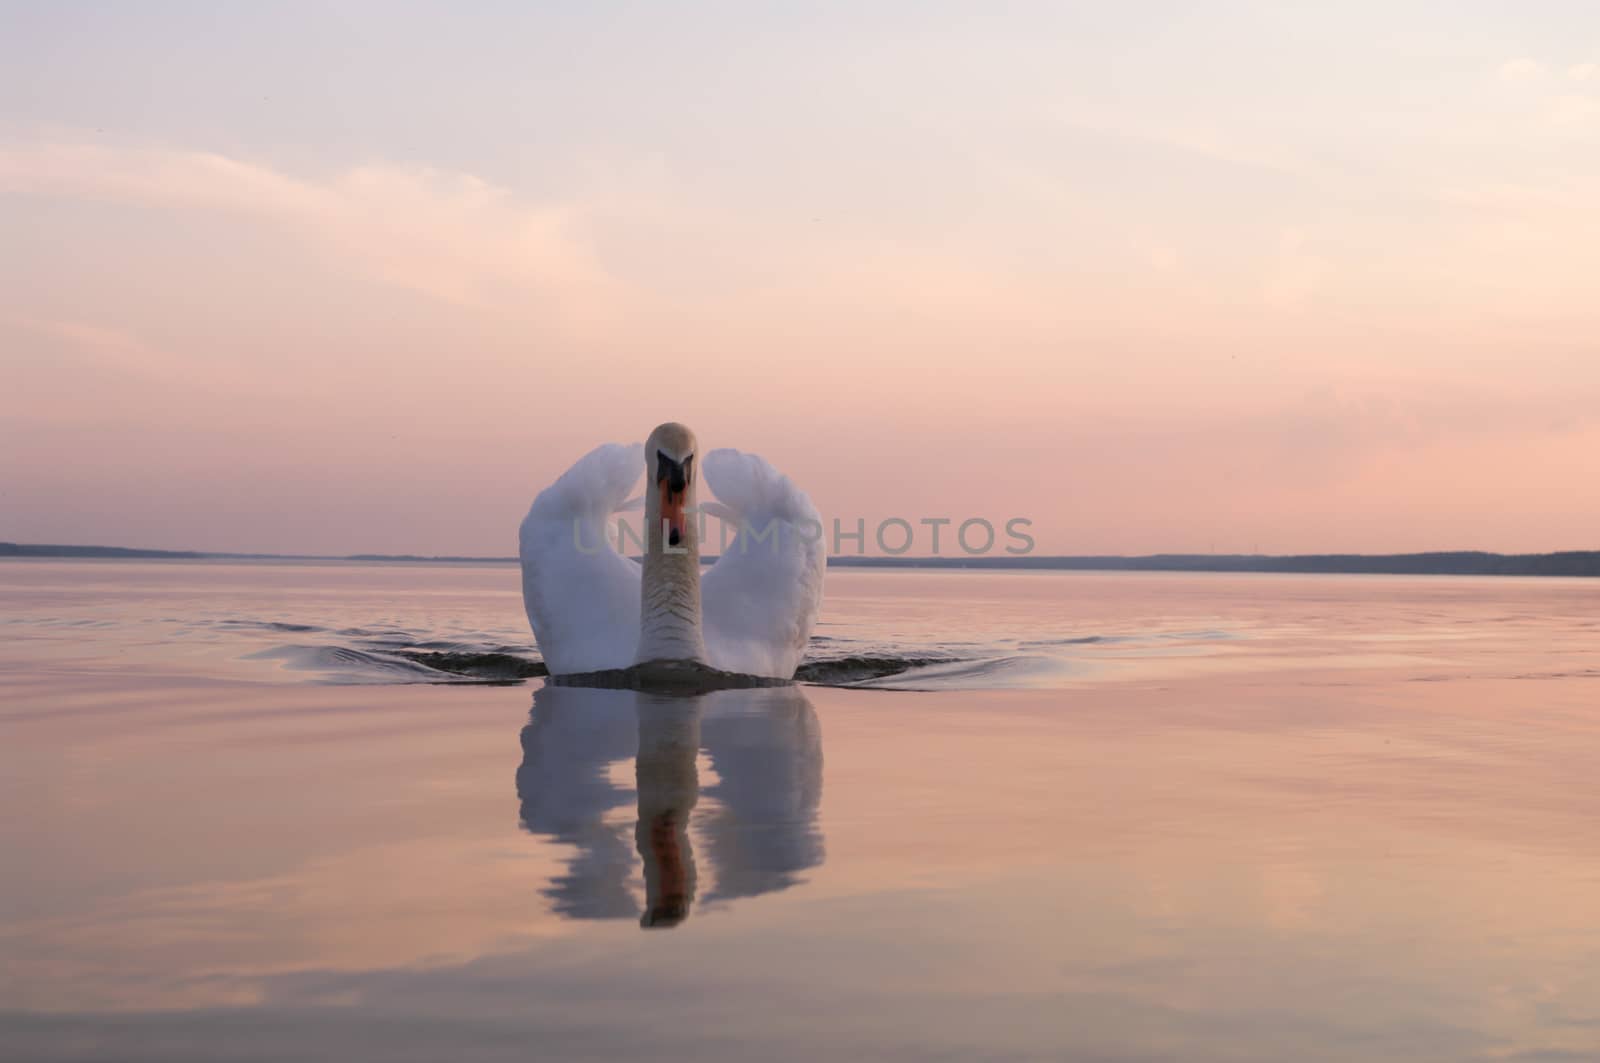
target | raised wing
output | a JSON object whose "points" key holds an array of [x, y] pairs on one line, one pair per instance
{"points": [[581, 595], [760, 600]]}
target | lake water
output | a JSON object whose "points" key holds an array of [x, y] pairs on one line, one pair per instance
{"points": [[296, 811]]}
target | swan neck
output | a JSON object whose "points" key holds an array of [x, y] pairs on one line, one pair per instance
{"points": [[669, 616]]}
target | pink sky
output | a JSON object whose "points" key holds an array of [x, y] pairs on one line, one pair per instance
{"points": [[1254, 280]]}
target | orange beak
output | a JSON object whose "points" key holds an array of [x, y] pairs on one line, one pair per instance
{"points": [[672, 513], [672, 480]]}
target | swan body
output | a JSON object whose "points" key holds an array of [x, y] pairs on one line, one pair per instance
{"points": [[593, 609]]}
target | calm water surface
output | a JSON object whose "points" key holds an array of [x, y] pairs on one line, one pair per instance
{"points": [[251, 815]]}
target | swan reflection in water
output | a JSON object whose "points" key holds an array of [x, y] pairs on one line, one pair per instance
{"points": [[754, 820]]}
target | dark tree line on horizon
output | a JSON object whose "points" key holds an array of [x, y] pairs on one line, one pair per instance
{"points": [[1434, 563]]}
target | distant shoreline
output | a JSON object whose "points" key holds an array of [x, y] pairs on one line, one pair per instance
{"points": [[1436, 563]]}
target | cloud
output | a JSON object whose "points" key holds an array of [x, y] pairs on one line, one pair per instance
{"points": [[1520, 69], [1206, 143], [1295, 276], [1570, 110], [451, 236], [1558, 112], [108, 346]]}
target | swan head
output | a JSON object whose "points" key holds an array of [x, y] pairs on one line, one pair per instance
{"points": [[669, 463]]}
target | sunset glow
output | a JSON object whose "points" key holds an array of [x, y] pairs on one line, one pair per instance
{"points": [[1241, 278]]}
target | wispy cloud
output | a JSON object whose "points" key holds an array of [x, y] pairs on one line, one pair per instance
{"points": [[108, 345], [1520, 69], [1558, 108], [451, 236], [1570, 111]]}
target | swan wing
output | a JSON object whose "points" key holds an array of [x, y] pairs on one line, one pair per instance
{"points": [[581, 595], [760, 600]]}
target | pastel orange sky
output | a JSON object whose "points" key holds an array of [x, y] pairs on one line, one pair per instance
{"points": [[364, 277]]}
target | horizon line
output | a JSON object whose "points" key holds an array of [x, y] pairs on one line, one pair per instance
{"points": [[1429, 562]]}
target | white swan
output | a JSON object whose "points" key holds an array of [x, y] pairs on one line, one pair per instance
{"points": [[592, 609]]}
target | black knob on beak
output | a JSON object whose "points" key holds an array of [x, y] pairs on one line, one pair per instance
{"points": [[674, 474]]}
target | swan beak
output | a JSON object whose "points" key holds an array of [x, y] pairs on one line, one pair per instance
{"points": [[672, 514], [672, 480]]}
